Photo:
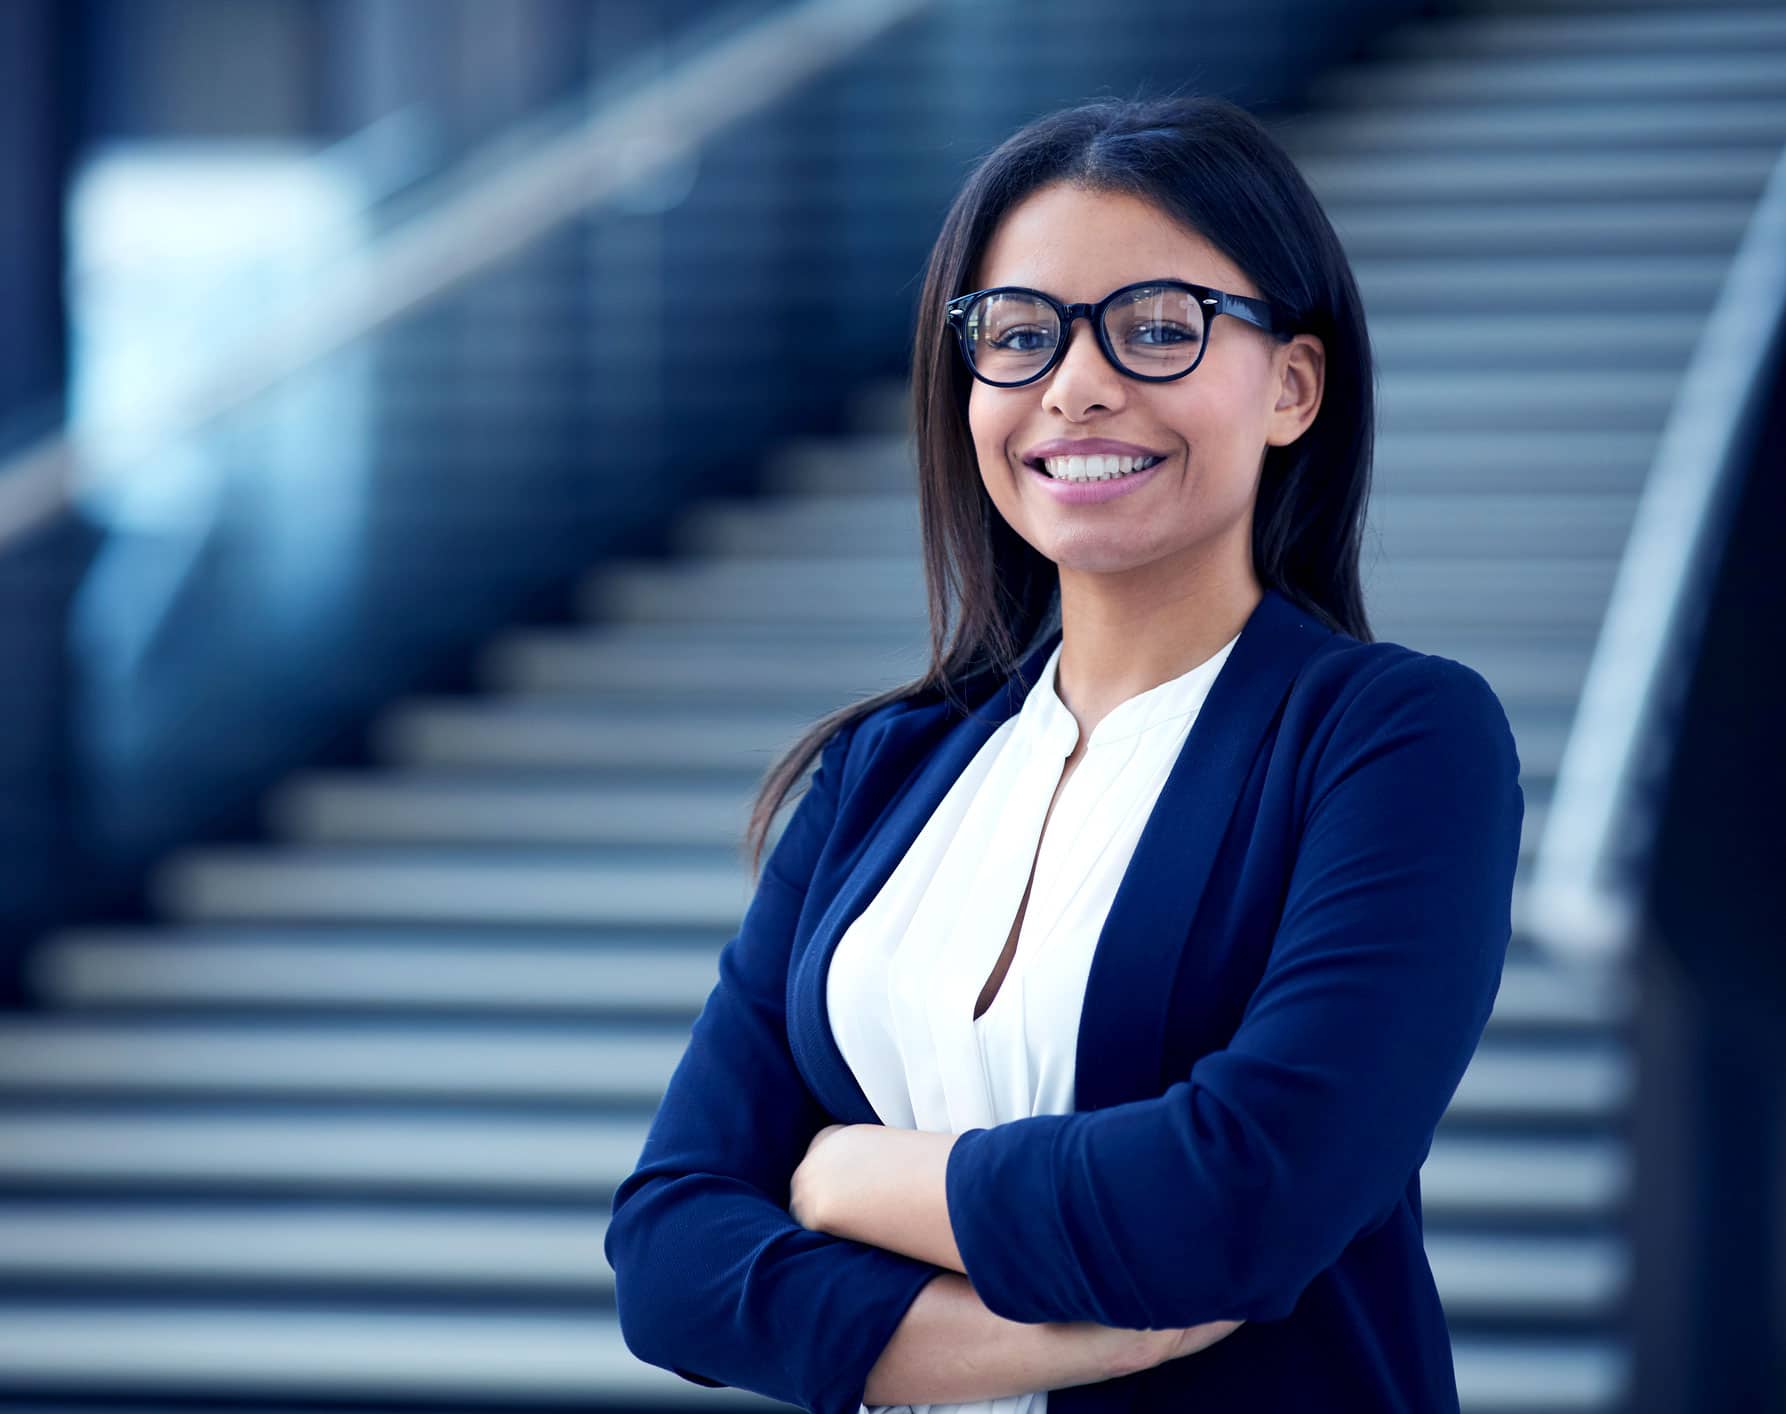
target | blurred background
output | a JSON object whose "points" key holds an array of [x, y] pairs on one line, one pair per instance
{"points": [[435, 436]]}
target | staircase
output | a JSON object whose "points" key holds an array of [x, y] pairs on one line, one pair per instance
{"points": [[342, 1127]]}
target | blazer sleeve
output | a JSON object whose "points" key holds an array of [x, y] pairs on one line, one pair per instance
{"points": [[714, 1279], [1224, 1197]]}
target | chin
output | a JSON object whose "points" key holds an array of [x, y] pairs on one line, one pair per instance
{"points": [[1101, 559]]}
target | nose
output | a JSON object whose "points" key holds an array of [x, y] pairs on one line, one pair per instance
{"points": [[1084, 378]]}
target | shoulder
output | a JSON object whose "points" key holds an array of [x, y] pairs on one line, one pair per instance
{"points": [[893, 739], [866, 742], [1355, 693]]}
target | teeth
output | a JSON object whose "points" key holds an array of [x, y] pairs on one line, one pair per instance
{"points": [[1094, 468]]}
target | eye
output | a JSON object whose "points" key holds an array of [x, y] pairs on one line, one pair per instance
{"points": [[1013, 339], [1163, 334]]}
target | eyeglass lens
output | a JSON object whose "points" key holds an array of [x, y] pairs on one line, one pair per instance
{"points": [[1154, 331]]}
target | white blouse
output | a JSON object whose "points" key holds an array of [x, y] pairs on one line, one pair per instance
{"points": [[906, 975]]}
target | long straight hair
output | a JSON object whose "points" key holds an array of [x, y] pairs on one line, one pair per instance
{"points": [[1215, 168]]}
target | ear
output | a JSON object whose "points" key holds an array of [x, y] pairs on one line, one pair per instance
{"points": [[1298, 368]]}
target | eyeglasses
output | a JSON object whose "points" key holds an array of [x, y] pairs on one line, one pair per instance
{"points": [[1155, 330]]}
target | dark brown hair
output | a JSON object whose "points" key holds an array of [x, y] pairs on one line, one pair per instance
{"points": [[1215, 168]]}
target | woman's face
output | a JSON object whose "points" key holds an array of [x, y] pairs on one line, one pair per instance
{"points": [[1190, 519]]}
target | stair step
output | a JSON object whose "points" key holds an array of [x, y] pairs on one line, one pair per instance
{"points": [[338, 1247], [443, 886], [1436, 522], [557, 661], [1506, 461], [1536, 1278], [501, 1153], [1462, 400], [881, 590], [166, 1348], [339, 808], [1593, 285], [1660, 78], [1478, 1176], [669, 640], [447, 886], [413, 1061], [581, 735], [1458, 592], [513, 1155], [567, 663], [572, 661], [1406, 344], [1725, 32], [471, 1062], [1549, 1376], [889, 590], [1721, 174], [881, 408], [1510, 1081], [1567, 125], [506, 972], [1612, 228], [855, 464], [1501, 460], [380, 1356]]}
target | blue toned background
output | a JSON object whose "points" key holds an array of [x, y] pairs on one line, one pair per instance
{"points": [[430, 450]]}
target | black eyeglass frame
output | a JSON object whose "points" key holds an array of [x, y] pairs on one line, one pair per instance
{"points": [[1273, 318]]}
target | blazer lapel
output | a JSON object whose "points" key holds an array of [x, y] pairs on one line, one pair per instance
{"points": [[1128, 991], [891, 837], [1128, 994]]}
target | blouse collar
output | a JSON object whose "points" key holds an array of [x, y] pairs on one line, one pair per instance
{"points": [[1055, 726]]}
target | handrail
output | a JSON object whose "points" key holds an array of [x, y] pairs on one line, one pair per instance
{"points": [[365, 173], [1577, 905], [378, 162], [632, 138]]}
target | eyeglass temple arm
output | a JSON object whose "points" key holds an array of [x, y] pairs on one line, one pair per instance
{"points": [[1255, 311]]}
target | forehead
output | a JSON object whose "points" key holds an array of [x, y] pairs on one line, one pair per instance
{"points": [[1079, 245]]}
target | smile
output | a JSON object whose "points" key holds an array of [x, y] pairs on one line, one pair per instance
{"points": [[1089, 488], [1098, 468]]}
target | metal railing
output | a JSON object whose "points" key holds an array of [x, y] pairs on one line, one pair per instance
{"points": [[623, 143], [1581, 903]]}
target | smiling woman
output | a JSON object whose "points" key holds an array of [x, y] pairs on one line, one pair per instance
{"points": [[1210, 404], [1169, 214], [1099, 1001]]}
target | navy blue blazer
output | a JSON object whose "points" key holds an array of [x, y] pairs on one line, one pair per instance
{"points": [[1293, 976]]}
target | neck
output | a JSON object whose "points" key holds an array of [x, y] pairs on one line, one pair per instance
{"points": [[1112, 650]]}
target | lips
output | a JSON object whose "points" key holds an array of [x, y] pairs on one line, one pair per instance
{"points": [[1093, 491], [1086, 447]]}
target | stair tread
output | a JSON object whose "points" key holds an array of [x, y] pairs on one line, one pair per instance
{"points": [[191, 1346], [483, 1061], [143, 1146], [362, 968], [510, 1249]]}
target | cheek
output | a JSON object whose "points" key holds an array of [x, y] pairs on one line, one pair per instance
{"points": [[980, 415], [991, 428], [1230, 410]]}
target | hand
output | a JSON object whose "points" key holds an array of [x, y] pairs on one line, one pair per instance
{"points": [[806, 1189], [1150, 1348]]}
